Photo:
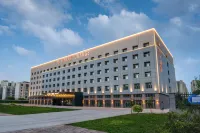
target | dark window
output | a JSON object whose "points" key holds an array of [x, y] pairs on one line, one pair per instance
{"points": [[116, 52], [148, 85], [85, 89], [135, 66], [107, 88], [99, 56], [99, 88], [136, 75], [80, 61], [146, 54], [99, 64], [135, 56], [137, 86], [79, 68], [85, 67], [147, 64], [99, 72], [106, 70], [91, 65], [135, 47], [124, 50], [92, 58], [116, 87], [91, 89], [107, 54], [63, 84], [86, 60], [106, 62], [124, 58], [63, 71], [115, 60], [115, 69], [73, 69], [147, 74], [146, 44]]}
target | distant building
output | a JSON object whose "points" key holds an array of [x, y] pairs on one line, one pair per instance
{"points": [[194, 85], [181, 87], [21, 90], [7, 89]]}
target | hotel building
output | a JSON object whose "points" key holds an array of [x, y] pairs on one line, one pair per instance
{"points": [[21, 90], [114, 74]]}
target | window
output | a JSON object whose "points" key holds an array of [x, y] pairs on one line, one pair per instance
{"points": [[124, 58], [68, 77], [99, 88], [85, 67], [73, 76], [107, 54], [63, 84], [116, 52], [73, 82], [135, 47], [116, 87], [58, 73], [147, 64], [79, 75], [115, 69], [147, 74], [136, 75], [106, 78], [91, 89], [135, 66], [125, 67], [98, 71], [115, 60], [125, 86], [146, 54], [63, 71], [69, 64], [53, 74], [85, 89], [86, 60], [99, 56], [106, 62], [126, 96], [85, 74], [148, 85], [74, 63], [79, 68], [91, 65], [79, 82], [85, 81], [124, 50], [125, 76], [63, 78], [116, 96], [106, 70], [135, 56], [168, 72], [116, 78], [146, 44], [107, 88], [92, 58], [99, 96], [99, 64], [54, 85], [79, 89], [50, 74], [150, 95], [92, 73], [68, 70], [46, 75], [167, 64], [73, 69], [137, 95], [107, 96], [137, 86], [58, 79], [68, 83], [99, 80], [58, 85], [80, 61], [54, 79], [169, 80]]}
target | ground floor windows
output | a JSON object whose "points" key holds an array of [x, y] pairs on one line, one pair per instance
{"points": [[116, 103], [107, 103], [126, 103], [86, 103], [150, 104], [99, 103], [92, 103]]}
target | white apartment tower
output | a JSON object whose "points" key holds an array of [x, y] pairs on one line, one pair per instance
{"points": [[114, 74]]}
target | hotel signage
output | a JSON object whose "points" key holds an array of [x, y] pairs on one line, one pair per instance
{"points": [[74, 56], [194, 99]]}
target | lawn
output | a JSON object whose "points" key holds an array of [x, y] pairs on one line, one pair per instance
{"points": [[133, 123], [22, 110]]}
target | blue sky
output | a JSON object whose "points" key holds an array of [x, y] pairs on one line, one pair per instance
{"points": [[35, 31]]}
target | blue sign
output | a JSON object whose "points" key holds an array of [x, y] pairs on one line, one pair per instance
{"points": [[194, 99]]}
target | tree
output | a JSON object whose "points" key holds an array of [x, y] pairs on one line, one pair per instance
{"points": [[10, 98], [136, 108]]}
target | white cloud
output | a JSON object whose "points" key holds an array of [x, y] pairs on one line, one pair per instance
{"points": [[192, 61], [176, 20], [4, 30], [119, 25], [22, 51], [45, 20]]}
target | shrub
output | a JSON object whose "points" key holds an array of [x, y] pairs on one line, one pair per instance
{"points": [[21, 99], [137, 108], [10, 98]]}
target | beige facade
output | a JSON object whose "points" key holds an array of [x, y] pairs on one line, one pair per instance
{"points": [[113, 74], [22, 90], [181, 87]]}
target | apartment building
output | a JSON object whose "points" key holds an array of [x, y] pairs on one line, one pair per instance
{"points": [[181, 87], [114, 74], [7, 89], [22, 90]]}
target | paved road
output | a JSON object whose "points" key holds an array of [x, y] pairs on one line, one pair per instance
{"points": [[19, 122]]}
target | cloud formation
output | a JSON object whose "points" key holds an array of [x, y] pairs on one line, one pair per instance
{"points": [[22, 51], [45, 20]]}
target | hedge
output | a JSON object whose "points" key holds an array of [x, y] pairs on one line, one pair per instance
{"points": [[13, 101]]}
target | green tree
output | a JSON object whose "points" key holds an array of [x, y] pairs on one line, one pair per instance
{"points": [[136, 108]]}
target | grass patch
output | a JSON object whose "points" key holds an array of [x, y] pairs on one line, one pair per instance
{"points": [[22, 110], [133, 123]]}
